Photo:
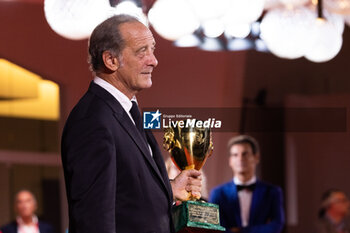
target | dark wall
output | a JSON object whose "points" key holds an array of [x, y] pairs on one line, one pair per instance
{"points": [[185, 77], [315, 84], [316, 161], [281, 77]]}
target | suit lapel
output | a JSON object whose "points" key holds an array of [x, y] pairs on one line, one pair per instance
{"points": [[257, 198], [157, 156], [234, 203], [40, 227], [123, 118], [130, 128]]}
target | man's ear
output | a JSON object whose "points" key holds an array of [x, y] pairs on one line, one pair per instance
{"points": [[110, 61], [257, 157], [230, 161]]}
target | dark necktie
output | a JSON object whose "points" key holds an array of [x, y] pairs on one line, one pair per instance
{"points": [[136, 115], [250, 187]]}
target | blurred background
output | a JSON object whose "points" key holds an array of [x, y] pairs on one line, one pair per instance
{"points": [[250, 54]]}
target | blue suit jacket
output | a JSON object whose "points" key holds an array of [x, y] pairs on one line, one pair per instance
{"points": [[266, 213], [12, 228]]}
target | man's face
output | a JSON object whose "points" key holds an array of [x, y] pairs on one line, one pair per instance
{"points": [[25, 204], [340, 203], [137, 59], [242, 160]]}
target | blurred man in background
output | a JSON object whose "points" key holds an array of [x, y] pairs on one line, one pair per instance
{"points": [[247, 204], [26, 220], [333, 215]]}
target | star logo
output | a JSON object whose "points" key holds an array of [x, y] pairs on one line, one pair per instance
{"points": [[156, 115], [151, 120]]}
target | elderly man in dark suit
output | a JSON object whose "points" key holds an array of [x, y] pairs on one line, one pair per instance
{"points": [[26, 221], [115, 175], [334, 213]]}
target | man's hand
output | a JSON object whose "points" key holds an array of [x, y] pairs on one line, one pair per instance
{"points": [[187, 182]]}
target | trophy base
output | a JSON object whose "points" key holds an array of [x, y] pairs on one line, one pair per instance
{"points": [[196, 216]]}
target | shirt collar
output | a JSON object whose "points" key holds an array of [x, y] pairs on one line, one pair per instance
{"points": [[249, 182], [21, 223], [121, 97], [339, 225]]}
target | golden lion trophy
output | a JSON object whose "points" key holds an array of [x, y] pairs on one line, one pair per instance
{"points": [[189, 148]]}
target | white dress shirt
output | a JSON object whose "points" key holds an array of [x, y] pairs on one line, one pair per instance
{"points": [[124, 101], [120, 96], [27, 228], [245, 199]]}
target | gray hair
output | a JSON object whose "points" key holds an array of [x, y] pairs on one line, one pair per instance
{"points": [[107, 37]]}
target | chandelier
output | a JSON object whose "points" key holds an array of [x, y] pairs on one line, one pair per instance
{"points": [[289, 29]]}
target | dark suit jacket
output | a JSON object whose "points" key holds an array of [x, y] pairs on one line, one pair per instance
{"points": [[113, 183], [266, 213], [12, 228], [324, 225]]}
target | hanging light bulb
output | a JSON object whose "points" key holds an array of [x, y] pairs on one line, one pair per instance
{"points": [[238, 30], [325, 34], [335, 19], [75, 20], [213, 28], [240, 14], [209, 9], [285, 32], [260, 45], [239, 44], [188, 41], [243, 11], [326, 41], [172, 19], [211, 44], [130, 8]]}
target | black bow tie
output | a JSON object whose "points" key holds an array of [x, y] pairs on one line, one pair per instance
{"points": [[250, 187]]}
